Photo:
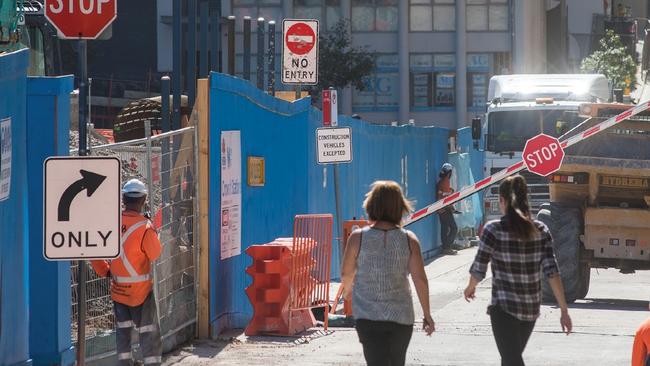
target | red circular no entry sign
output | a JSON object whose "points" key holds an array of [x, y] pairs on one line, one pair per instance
{"points": [[300, 38], [543, 155]]}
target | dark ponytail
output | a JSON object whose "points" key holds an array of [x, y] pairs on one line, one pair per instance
{"points": [[514, 192]]}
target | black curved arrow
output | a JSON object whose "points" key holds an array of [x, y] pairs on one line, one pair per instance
{"points": [[90, 182]]}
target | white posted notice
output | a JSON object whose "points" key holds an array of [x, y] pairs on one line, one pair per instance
{"points": [[334, 145], [5, 158], [230, 194]]}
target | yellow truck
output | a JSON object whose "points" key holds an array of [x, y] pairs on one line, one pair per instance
{"points": [[599, 214]]}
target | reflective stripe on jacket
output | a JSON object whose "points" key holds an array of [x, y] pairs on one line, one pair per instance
{"points": [[131, 271]]}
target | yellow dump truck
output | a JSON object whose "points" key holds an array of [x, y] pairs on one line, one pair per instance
{"points": [[599, 214]]}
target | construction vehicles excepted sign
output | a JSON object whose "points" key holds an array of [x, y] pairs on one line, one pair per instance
{"points": [[334, 145], [82, 208], [80, 19], [543, 155], [300, 51]]}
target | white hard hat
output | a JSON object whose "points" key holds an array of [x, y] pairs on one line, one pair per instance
{"points": [[134, 188]]}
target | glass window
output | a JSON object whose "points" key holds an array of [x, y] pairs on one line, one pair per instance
{"points": [[421, 18], [363, 18], [477, 90], [421, 60], [477, 18], [421, 90], [445, 89], [327, 12], [498, 17], [444, 60], [444, 18], [374, 15], [425, 17], [483, 15], [381, 89], [269, 9]]}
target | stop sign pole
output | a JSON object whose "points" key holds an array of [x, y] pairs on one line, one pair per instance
{"points": [[81, 20]]}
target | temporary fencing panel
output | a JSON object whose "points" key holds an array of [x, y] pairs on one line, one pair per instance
{"points": [[168, 161], [470, 217], [48, 120], [283, 134], [14, 221], [312, 259]]}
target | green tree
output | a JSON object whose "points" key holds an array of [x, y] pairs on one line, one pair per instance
{"points": [[341, 64], [613, 61]]}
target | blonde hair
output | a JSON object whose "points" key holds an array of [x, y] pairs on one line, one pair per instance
{"points": [[386, 202]]}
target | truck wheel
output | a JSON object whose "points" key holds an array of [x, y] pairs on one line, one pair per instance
{"points": [[565, 224]]}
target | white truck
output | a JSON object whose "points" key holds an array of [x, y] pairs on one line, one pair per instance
{"points": [[522, 106]]}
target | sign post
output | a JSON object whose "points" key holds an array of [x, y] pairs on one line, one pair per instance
{"points": [[300, 53], [81, 20]]}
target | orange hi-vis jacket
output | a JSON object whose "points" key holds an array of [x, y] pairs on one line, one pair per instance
{"points": [[131, 271]]}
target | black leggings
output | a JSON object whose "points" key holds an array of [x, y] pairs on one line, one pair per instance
{"points": [[511, 335], [384, 343]]}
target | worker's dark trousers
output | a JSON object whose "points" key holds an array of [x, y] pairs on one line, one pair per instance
{"points": [[144, 319], [448, 228]]}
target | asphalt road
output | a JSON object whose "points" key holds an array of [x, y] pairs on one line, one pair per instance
{"points": [[604, 326]]}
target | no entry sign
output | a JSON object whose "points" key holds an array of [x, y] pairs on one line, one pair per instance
{"points": [[80, 19], [300, 51], [543, 155]]}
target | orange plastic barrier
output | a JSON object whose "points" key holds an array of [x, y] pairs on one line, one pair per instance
{"points": [[290, 277], [348, 228]]}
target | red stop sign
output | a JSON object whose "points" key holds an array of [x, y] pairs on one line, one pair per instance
{"points": [[81, 19], [300, 38], [543, 155]]}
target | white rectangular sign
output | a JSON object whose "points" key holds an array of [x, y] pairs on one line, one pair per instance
{"points": [[300, 51], [230, 194], [334, 145], [5, 158], [82, 208]]}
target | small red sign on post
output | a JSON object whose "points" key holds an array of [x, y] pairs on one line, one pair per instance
{"points": [[80, 19], [543, 155], [330, 108], [300, 38]]}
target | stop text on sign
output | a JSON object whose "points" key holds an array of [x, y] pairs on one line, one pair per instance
{"points": [[543, 155], [72, 6], [300, 51]]}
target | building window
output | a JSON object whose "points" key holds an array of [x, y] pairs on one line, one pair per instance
{"points": [[374, 15], [433, 81], [381, 92], [478, 74], [487, 15], [436, 15], [328, 12], [268, 9]]}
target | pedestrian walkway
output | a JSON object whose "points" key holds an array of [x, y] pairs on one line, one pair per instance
{"points": [[463, 333]]}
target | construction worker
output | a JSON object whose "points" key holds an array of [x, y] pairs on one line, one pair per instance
{"points": [[448, 227], [131, 285]]}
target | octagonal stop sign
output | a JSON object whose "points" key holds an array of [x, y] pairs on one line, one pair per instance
{"points": [[543, 155], [80, 19]]}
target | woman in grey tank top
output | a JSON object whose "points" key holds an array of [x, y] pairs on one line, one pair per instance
{"points": [[376, 265]]}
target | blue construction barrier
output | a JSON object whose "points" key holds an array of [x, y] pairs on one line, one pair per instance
{"points": [[48, 120], [14, 220], [283, 134]]}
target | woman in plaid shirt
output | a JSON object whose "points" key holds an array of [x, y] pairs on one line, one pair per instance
{"points": [[520, 249]]}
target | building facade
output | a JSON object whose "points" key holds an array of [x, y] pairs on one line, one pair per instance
{"points": [[434, 58]]}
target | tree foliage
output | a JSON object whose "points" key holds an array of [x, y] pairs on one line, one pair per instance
{"points": [[341, 64], [613, 61]]}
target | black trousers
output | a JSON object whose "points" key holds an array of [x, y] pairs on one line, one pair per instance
{"points": [[384, 343], [448, 228], [511, 335]]}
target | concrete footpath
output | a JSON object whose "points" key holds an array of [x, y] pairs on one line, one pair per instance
{"points": [[604, 326]]}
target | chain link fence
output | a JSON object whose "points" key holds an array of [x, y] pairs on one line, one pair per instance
{"points": [[167, 164]]}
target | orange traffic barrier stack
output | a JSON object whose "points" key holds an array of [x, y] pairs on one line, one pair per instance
{"points": [[290, 277]]}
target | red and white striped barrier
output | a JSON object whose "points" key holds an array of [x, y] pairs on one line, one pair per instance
{"points": [[515, 168]]}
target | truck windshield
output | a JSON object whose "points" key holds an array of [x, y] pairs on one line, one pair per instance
{"points": [[509, 130]]}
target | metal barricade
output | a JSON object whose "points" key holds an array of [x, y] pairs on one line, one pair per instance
{"points": [[311, 264], [167, 163]]}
